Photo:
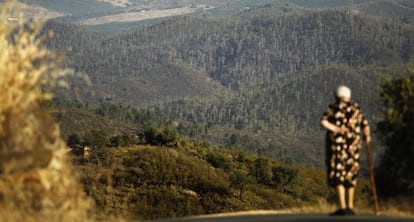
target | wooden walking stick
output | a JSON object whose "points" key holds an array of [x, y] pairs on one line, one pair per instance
{"points": [[372, 179]]}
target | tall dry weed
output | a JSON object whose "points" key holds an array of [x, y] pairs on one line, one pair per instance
{"points": [[36, 181]]}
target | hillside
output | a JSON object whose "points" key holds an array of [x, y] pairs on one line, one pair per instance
{"points": [[78, 121], [401, 9], [259, 74], [149, 182], [250, 50], [75, 9]]}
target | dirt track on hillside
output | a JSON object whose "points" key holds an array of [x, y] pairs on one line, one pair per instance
{"points": [[140, 16]]}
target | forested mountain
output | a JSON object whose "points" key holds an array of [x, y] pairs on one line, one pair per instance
{"points": [[328, 3], [259, 80], [242, 50]]}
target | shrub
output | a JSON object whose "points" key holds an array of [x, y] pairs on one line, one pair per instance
{"points": [[261, 171], [218, 160], [166, 137], [284, 177], [239, 180], [95, 138], [28, 133], [73, 140]]}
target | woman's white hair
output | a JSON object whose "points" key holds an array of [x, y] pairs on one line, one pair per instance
{"points": [[343, 92]]}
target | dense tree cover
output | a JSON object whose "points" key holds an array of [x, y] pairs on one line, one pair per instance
{"points": [[261, 79], [234, 51], [97, 139], [281, 68], [286, 108], [238, 51], [328, 3], [395, 176]]}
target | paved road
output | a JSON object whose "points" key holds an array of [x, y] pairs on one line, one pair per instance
{"points": [[287, 218]]}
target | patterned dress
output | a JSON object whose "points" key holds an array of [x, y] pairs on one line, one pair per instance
{"points": [[343, 150]]}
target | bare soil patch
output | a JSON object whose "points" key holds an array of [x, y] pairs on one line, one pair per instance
{"points": [[140, 16], [117, 3]]}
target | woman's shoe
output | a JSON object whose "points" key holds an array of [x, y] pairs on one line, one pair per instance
{"points": [[339, 212], [350, 211]]}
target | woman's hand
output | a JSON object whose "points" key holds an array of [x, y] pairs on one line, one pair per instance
{"points": [[342, 130], [368, 139]]}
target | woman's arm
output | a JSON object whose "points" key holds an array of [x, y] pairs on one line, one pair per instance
{"points": [[367, 134], [333, 128]]}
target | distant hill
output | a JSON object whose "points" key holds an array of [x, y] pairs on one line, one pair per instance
{"points": [[78, 121], [328, 3], [75, 9], [399, 9]]}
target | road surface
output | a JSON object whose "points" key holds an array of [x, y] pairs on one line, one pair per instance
{"points": [[287, 218]]}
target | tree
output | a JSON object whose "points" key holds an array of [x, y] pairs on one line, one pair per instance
{"points": [[262, 171], [168, 137], [394, 174], [95, 138], [73, 140], [239, 180], [284, 177], [218, 160], [165, 137]]}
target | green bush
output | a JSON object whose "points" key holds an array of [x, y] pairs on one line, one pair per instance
{"points": [[284, 177], [166, 137], [125, 139], [239, 180], [95, 138], [218, 160], [261, 171], [395, 173], [73, 139]]}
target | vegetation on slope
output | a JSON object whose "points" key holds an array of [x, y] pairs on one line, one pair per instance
{"points": [[396, 127], [261, 76], [145, 181], [149, 182]]}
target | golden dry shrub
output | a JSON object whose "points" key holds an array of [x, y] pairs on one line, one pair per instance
{"points": [[37, 182]]}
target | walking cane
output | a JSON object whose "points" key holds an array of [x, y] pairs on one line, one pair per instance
{"points": [[372, 179]]}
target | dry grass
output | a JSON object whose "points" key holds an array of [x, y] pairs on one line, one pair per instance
{"points": [[36, 181]]}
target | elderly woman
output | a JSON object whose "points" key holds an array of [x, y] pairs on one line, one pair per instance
{"points": [[344, 123]]}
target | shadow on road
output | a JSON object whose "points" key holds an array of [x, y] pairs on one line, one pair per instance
{"points": [[287, 218]]}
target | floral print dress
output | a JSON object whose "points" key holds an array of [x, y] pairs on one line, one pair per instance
{"points": [[343, 150]]}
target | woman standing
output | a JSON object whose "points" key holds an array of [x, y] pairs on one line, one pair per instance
{"points": [[344, 123]]}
